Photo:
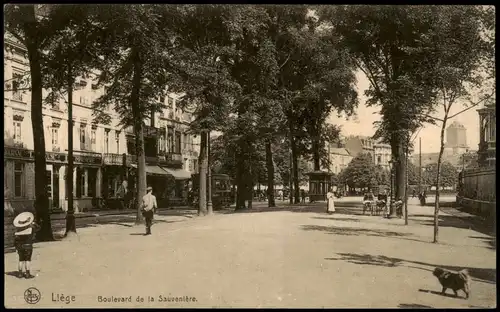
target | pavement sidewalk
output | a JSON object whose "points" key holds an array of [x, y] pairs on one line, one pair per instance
{"points": [[288, 257]]}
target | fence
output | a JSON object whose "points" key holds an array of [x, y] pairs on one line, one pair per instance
{"points": [[477, 192]]}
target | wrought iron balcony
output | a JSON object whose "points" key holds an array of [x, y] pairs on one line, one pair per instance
{"points": [[112, 159], [170, 159]]}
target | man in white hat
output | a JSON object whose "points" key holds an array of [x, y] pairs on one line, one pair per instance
{"points": [[23, 241], [148, 207]]}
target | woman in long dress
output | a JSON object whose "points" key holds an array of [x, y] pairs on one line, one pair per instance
{"points": [[329, 197]]}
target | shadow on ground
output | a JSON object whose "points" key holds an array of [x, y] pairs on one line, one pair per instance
{"points": [[442, 204], [12, 273], [125, 220], [354, 207], [480, 274], [336, 219], [353, 231], [413, 306], [491, 241], [463, 222], [438, 293]]}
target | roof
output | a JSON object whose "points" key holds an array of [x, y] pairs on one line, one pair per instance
{"points": [[339, 151]]}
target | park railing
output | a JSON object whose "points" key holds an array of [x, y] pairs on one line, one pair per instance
{"points": [[485, 209]]}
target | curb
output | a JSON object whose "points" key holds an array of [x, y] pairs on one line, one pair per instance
{"points": [[62, 216]]}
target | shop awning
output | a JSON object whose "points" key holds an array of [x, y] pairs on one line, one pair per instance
{"points": [[156, 170], [179, 174]]}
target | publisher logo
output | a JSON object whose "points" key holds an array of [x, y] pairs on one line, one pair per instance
{"points": [[32, 295]]}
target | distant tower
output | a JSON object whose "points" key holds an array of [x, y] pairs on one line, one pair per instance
{"points": [[456, 138]]}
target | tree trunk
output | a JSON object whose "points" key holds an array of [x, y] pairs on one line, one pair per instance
{"points": [[400, 173], [251, 193], [406, 186], [202, 202], [397, 149], [316, 157], [270, 175], [295, 173], [209, 176], [438, 181], [139, 134], [70, 215], [241, 191], [41, 199]]}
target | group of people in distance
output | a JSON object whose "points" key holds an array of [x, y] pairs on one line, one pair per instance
{"points": [[381, 203]]}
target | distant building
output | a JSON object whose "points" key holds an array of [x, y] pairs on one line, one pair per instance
{"points": [[339, 158], [356, 145], [454, 149], [381, 152], [456, 138], [383, 155]]}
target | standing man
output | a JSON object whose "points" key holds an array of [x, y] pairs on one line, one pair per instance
{"points": [[122, 195], [148, 206], [303, 195]]}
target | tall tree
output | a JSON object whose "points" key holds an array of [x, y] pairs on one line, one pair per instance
{"points": [[361, 172], [385, 42], [135, 68], [69, 55], [447, 177], [27, 23], [459, 48], [204, 60]]}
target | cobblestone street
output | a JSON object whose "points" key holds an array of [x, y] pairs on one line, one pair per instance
{"points": [[294, 256]]}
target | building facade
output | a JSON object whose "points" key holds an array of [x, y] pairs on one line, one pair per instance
{"points": [[356, 145], [103, 154], [381, 152], [339, 159], [487, 134], [382, 155]]}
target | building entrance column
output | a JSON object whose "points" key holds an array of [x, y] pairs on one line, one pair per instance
{"points": [[98, 183], [55, 187]]}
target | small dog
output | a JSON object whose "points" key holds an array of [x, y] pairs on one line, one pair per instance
{"points": [[454, 280]]}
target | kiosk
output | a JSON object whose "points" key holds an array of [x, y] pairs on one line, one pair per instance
{"points": [[319, 184]]}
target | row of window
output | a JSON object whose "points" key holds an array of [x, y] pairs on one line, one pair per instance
{"points": [[183, 140]]}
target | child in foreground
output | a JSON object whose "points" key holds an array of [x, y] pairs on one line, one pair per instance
{"points": [[23, 241]]}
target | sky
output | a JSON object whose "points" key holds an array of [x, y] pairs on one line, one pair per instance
{"points": [[362, 123]]}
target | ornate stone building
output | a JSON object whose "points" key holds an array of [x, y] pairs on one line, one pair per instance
{"points": [[487, 135], [103, 154]]}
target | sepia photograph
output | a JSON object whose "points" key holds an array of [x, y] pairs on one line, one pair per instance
{"points": [[249, 156]]}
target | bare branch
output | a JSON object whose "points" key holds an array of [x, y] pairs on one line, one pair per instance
{"points": [[369, 74], [285, 61], [432, 117], [473, 105]]}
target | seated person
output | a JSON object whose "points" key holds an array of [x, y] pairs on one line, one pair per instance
{"points": [[382, 197], [368, 198]]}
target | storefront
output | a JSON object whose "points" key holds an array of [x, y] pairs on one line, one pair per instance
{"points": [[19, 178], [179, 194], [160, 180], [87, 179]]}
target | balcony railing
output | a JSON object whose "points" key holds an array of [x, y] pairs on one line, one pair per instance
{"points": [[112, 159], [170, 159]]}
